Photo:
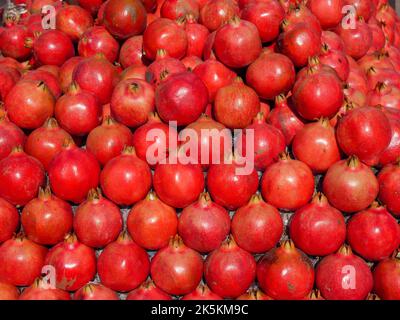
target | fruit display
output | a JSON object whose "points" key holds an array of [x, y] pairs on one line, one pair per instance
{"points": [[200, 150]]}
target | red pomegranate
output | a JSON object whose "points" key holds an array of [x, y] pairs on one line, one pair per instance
{"points": [[151, 223], [343, 276], [91, 5], [332, 40], [328, 12], [386, 278], [9, 77], [148, 291], [215, 13], [40, 290], [9, 220], [11, 136], [363, 8], [389, 187], [73, 21], [8, 292], [191, 62], [318, 229], [298, 13], [385, 95], [392, 152], [12, 42], [131, 52], [285, 273], [202, 292], [47, 77], [95, 291], [197, 35], [335, 59], [350, 185], [66, 71]]}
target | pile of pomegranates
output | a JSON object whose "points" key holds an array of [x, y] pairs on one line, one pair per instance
{"points": [[109, 184]]}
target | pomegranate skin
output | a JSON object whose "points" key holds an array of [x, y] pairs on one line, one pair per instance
{"points": [[318, 229], [9, 78], [95, 291], [343, 276], [66, 71], [285, 273], [389, 188], [392, 152], [202, 292], [237, 43], [148, 291], [270, 75], [9, 220], [350, 185], [215, 13], [175, 9], [73, 21], [229, 270], [257, 226], [39, 291], [228, 187], [151, 223], [287, 184], [315, 145], [182, 97], [75, 263], [97, 221], [364, 132], [21, 261], [204, 224], [21, 176], [387, 279], [11, 136], [328, 12], [48, 78], [46, 219], [12, 42], [8, 292], [335, 59], [131, 52], [72, 173], [183, 265], [123, 265], [373, 233]]}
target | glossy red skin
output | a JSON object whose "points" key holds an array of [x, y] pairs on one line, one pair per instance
{"points": [[148, 292], [373, 233], [197, 35], [21, 261], [163, 67], [208, 52], [356, 41], [97, 75], [216, 13], [287, 184], [364, 132], [108, 140], [125, 18], [336, 60], [8, 78], [9, 220], [285, 274], [376, 60], [123, 265], [257, 226], [270, 75], [95, 291], [236, 105], [392, 152], [299, 43], [228, 188], [73, 21], [151, 223], [91, 5], [237, 43], [29, 104], [183, 97], [174, 9], [37, 293], [178, 185], [126, 179], [332, 40], [318, 229], [132, 101], [315, 145], [269, 142], [204, 225], [8, 292], [387, 280], [72, 173], [134, 72], [49, 79], [389, 188], [388, 76], [75, 264], [12, 42], [46, 142], [191, 62], [47, 219], [98, 40], [266, 16], [183, 265], [10, 136], [97, 222], [388, 97], [66, 71], [350, 188], [299, 13], [328, 12], [363, 8], [378, 37], [202, 292], [164, 34], [330, 276], [53, 47], [78, 112], [229, 270], [150, 5], [214, 75], [20, 178], [131, 52]]}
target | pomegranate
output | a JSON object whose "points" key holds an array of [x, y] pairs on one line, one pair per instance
{"points": [[285, 273], [134, 72], [385, 95], [131, 52], [8, 292], [298, 13], [389, 187], [343, 276], [229, 270], [215, 13], [9, 220], [12, 42], [392, 152], [318, 229], [386, 278], [66, 71], [202, 292], [335, 59], [91, 5], [174, 9], [197, 35], [151, 223], [40, 290], [350, 185], [328, 12], [48, 78], [332, 40], [97, 221], [191, 62], [11, 136], [363, 8], [95, 291], [73, 21], [9, 77], [148, 291]]}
